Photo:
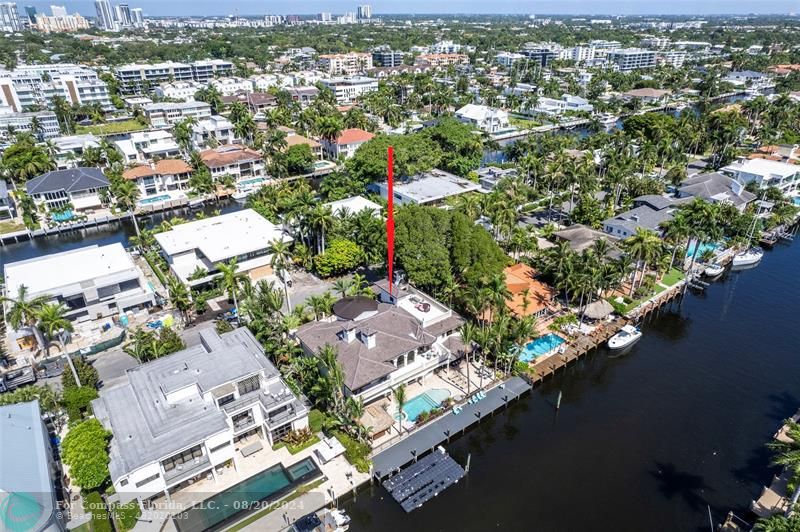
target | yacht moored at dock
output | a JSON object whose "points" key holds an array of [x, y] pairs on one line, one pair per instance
{"points": [[749, 257], [625, 337]]}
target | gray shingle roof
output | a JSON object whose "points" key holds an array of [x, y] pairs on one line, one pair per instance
{"points": [[715, 187], [146, 427], [396, 332], [70, 180], [644, 217]]}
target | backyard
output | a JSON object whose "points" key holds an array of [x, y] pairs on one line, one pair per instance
{"points": [[110, 128]]}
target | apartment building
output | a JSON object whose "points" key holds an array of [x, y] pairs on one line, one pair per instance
{"points": [[178, 419], [397, 339], [42, 124], [69, 149], [92, 282], [215, 130], [349, 89], [38, 85], [348, 64], [507, 59], [232, 85], [167, 114], [386, 57], [442, 60], [136, 77], [629, 59]]}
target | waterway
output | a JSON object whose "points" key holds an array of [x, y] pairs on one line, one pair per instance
{"points": [[647, 441], [120, 231]]}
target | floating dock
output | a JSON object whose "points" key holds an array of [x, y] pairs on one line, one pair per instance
{"points": [[424, 480]]}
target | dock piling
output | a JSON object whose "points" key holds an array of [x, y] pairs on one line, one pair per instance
{"points": [[469, 459], [558, 401]]}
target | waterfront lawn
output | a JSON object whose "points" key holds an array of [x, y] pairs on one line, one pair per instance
{"points": [[671, 277], [10, 227], [523, 123], [110, 128], [302, 490]]}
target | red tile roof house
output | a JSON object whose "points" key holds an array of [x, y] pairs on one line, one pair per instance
{"points": [[347, 143], [164, 175], [235, 160]]}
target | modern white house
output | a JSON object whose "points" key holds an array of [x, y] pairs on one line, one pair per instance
{"points": [[178, 90], [346, 144], [195, 249], [567, 102], [28, 471], [349, 89], [92, 282], [485, 118], [6, 204], [143, 146], [234, 160], [766, 173], [215, 129], [195, 415], [232, 85], [166, 114], [69, 149], [396, 339], [429, 188], [79, 187]]}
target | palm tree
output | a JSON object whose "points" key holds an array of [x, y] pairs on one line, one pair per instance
{"points": [[24, 312], [644, 246], [280, 261], [322, 219], [343, 286], [399, 393], [334, 373], [231, 277], [54, 324], [468, 336], [179, 295]]}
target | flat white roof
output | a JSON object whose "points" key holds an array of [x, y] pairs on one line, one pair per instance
{"points": [[434, 186], [43, 275], [222, 237], [354, 205], [764, 167]]}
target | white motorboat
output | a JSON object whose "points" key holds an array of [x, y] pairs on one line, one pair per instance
{"points": [[240, 196], [607, 119], [713, 270], [748, 257], [625, 337]]}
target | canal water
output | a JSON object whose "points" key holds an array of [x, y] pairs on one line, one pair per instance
{"points": [[652, 440], [120, 231]]}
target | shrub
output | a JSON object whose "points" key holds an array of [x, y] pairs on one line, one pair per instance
{"points": [[86, 373], [341, 256], [76, 401], [356, 452], [316, 420], [298, 437], [85, 451]]}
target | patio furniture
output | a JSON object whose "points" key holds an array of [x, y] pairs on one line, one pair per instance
{"points": [[252, 448]]}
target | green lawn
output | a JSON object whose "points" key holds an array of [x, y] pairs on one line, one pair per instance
{"points": [[294, 449], [523, 123], [126, 515], [10, 227], [672, 277], [110, 128]]}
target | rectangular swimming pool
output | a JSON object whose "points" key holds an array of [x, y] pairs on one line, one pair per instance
{"points": [[705, 246], [424, 402], [154, 199], [254, 493], [541, 346]]}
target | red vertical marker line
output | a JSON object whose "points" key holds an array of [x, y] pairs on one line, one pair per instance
{"points": [[390, 217]]}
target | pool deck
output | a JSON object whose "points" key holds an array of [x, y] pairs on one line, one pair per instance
{"points": [[449, 425]]}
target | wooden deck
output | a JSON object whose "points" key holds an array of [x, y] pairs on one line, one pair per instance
{"points": [[576, 348]]}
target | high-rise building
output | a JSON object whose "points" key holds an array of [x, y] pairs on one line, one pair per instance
{"points": [[105, 16], [9, 17], [627, 59], [123, 14], [365, 12], [59, 11], [30, 11], [325, 17], [137, 18]]}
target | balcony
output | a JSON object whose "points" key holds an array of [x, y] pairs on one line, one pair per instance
{"points": [[187, 470], [244, 423], [295, 410]]}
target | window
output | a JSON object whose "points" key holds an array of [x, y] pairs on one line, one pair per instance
{"points": [[147, 480], [281, 432], [129, 285], [179, 459], [250, 384], [224, 400], [123, 482], [107, 291]]}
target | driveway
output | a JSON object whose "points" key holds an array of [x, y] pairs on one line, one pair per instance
{"points": [[305, 285], [111, 365]]}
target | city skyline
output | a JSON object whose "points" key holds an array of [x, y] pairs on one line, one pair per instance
{"points": [[565, 7]]}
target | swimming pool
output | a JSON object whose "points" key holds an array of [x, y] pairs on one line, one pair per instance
{"points": [[231, 504], [424, 402], [250, 182], [705, 246], [154, 199], [63, 216], [540, 346]]}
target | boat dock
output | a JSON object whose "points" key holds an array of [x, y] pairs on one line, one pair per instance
{"points": [[424, 480], [425, 439]]}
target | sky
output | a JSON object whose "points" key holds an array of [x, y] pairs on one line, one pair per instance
{"points": [[259, 7]]}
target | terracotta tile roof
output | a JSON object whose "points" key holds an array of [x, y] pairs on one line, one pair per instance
{"points": [[172, 167], [519, 278], [138, 172], [354, 135], [294, 139], [230, 154]]}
